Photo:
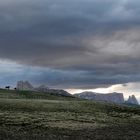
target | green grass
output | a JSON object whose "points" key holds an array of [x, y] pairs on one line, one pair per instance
{"points": [[28, 115], [15, 94]]}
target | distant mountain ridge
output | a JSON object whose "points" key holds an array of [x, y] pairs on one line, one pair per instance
{"points": [[109, 97], [25, 85]]}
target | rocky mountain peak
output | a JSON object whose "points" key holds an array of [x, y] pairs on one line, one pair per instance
{"points": [[132, 100], [24, 85], [110, 97]]}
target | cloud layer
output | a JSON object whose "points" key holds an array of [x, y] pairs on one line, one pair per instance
{"points": [[82, 43]]}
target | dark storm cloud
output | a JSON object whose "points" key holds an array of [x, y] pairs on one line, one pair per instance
{"points": [[99, 38]]}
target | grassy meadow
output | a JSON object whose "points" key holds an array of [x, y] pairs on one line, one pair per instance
{"points": [[26, 115]]}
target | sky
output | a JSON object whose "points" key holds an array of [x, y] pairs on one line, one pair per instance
{"points": [[75, 45]]}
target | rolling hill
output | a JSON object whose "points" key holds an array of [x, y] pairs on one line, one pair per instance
{"points": [[28, 115]]}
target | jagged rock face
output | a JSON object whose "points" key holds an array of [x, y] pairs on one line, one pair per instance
{"points": [[132, 100], [110, 97], [24, 85]]}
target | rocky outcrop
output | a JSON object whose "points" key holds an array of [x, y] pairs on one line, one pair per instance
{"points": [[24, 85], [132, 100], [110, 97]]}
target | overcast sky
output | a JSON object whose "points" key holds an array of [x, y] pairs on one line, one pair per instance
{"points": [[71, 44]]}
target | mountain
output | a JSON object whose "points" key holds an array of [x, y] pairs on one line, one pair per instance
{"points": [[110, 97], [25, 85], [45, 89], [132, 100]]}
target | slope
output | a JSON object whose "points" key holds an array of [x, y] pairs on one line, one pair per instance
{"points": [[64, 118]]}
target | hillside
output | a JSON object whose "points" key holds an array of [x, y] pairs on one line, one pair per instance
{"points": [[27, 115], [16, 94]]}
